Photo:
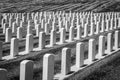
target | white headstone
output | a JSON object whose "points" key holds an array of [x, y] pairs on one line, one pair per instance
{"points": [[60, 25], [91, 50], [2, 22], [28, 16], [101, 46], [3, 74], [54, 27], [48, 67], [91, 29], [8, 35], [85, 30], [46, 29], [109, 43], [97, 28], [65, 61], [62, 35], [14, 47], [118, 22], [71, 33], [102, 26], [52, 38], [42, 23], [42, 41], [14, 27], [38, 29], [115, 23], [79, 32], [117, 40], [4, 28], [80, 49], [29, 43], [107, 25], [26, 70], [29, 28], [111, 25], [1, 49], [10, 22], [67, 26], [20, 33], [17, 21]]}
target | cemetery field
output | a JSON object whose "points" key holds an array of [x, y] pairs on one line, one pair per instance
{"points": [[92, 72], [58, 5], [57, 40]]}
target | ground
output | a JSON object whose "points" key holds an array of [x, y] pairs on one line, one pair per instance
{"points": [[55, 5], [110, 71]]}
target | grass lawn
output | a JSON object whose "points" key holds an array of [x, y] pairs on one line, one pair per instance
{"points": [[109, 71]]}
